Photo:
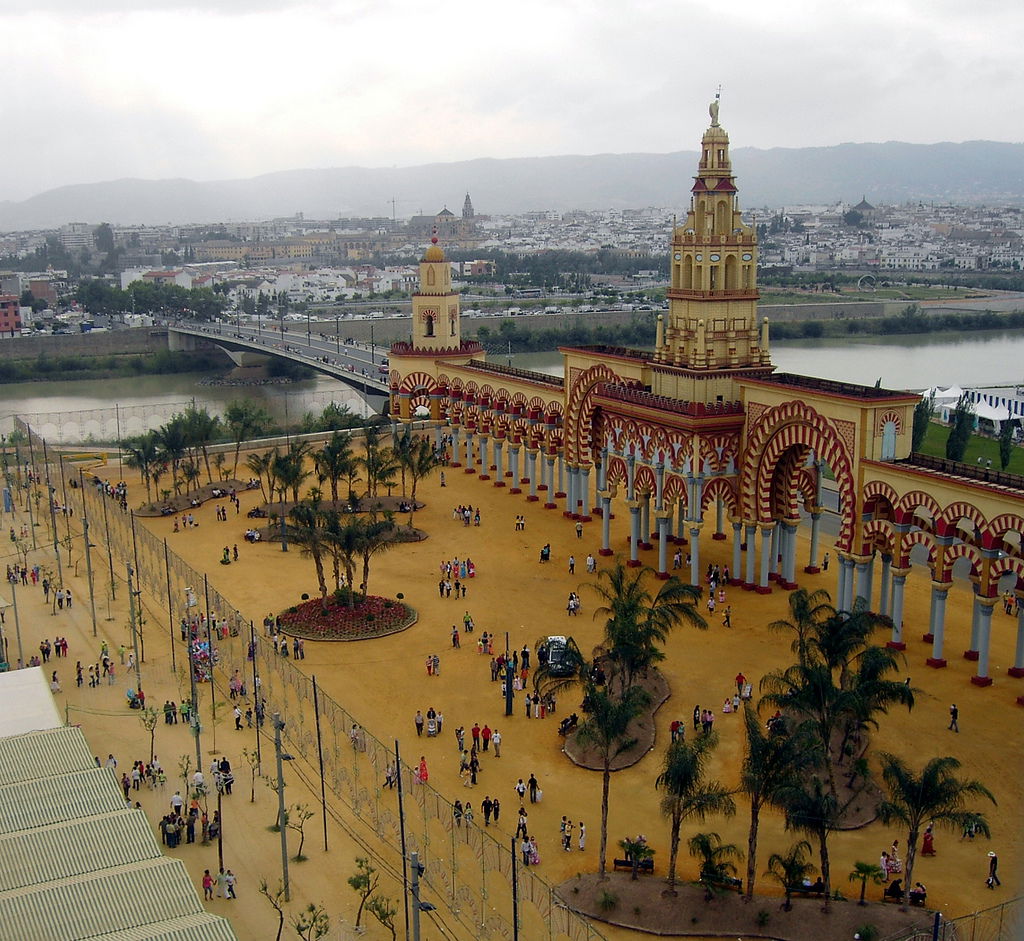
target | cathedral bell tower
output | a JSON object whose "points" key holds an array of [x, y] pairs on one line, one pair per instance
{"points": [[712, 318], [435, 306]]}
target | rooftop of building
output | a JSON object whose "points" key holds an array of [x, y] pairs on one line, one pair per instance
{"points": [[834, 387]]}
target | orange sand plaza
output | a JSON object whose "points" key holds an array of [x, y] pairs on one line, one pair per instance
{"points": [[383, 682]]}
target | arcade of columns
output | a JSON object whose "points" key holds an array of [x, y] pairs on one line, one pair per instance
{"points": [[703, 435]]}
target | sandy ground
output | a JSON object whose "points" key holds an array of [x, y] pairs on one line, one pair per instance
{"points": [[384, 682]]}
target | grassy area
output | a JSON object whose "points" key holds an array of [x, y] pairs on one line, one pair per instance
{"points": [[911, 293], [985, 448]]}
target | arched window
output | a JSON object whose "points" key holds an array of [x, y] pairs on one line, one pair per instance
{"points": [[430, 276], [889, 441], [430, 326]]}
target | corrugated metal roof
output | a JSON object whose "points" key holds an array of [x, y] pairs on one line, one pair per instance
{"points": [[75, 847], [43, 801], [93, 905], [203, 927], [43, 754]]}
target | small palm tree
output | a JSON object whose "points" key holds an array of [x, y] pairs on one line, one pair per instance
{"points": [[260, 465], [863, 872], [813, 809], [790, 869], [936, 795], [716, 866], [636, 851]]}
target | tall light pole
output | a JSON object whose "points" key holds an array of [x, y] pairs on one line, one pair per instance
{"points": [[190, 603], [17, 627], [135, 633], [281, 816]]}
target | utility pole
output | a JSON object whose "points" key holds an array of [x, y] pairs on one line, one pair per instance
{"points": [[416, 868], [88, 572], [135, 633], [190, 602], [281, 816]]}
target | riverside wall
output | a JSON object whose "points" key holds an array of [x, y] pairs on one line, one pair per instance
{"points": [[134, 341]]}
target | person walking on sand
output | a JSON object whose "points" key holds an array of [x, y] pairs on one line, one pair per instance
{"points": [[954, 718]]}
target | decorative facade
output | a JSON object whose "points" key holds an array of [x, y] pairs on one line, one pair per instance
{"points": [[702, 439]]}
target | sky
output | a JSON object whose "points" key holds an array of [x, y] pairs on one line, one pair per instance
{"points": [[99, 90]]}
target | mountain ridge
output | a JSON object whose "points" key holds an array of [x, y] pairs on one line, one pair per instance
{"points": [[886, 172]]}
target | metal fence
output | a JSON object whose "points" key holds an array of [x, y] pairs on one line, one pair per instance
{"points": [[466, 870], [1004, 922]]}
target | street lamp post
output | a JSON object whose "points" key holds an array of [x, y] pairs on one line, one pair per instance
{"points": [[191, 602], [281, 817], [337, 335], [135, 633], [373, 359]]}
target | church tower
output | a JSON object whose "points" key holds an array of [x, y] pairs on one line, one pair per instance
{"points": [[712, 318], [435, 306], [467, 208]]}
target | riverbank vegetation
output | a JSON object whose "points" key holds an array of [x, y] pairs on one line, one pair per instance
{"points": [[113, 366]]}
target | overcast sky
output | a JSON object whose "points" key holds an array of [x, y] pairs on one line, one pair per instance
{"points": [[213, 89]]}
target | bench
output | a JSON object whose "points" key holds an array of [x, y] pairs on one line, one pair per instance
{"points": [[805, 890], [645, 865], [724, 883]]}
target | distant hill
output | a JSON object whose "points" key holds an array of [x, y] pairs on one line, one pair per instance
{"points": [[971, 172]]}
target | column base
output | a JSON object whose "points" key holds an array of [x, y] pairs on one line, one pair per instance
{"points": [[569, 515], [644, 545], [605, 552], [763, 589], [937, 662], [788, 586], [485, 477], [470, 470], [561, 495], [718, 537], [532, 498], [515, 489], [542, 487], [895, 645], [493, 467], [550, 506], [928, 638], [812, 569], [735, 581], [664, 576], [981, 680], [1017, 672], [455, 464], [634, 563], [524, 480], [585, 519], [748, 586], [497, 483], [774, 577], [1020, 700], [970, 655], [509, 474]]}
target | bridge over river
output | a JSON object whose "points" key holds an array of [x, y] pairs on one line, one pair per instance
{"points": [[357, 365]]}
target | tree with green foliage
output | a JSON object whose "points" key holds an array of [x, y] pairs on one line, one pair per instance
{"points": [[419, 462], [923, 414], [364, 882], [142, 453], [277, 902], [716, 861], [260, 465], [862, 872], [1006, 430], [811, 807], [936, 796], [790, 869], [637, 852], [245, 419], [773, 762], [385, 911], [312, 923], [308, 532], [961, 425], [637, 622], [687, 792], [334, 461], [201, 429]]}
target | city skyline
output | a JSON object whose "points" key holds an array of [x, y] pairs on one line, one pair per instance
{"points": [[171, 88]]}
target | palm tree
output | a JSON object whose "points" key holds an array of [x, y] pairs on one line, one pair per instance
{"points": [[772, 764], [606, 726], [173, 444], [343, 535], [637, 622], [637, 852], [863, 871], [687, 792], [334, 461], [814, 809], [143, 453], [936, 795], [308, 532], [790, 869], [190, 471], [260, 465], [200, 429], [374, 537], [245, 419], [716, 866], [808, 610], [420, 463]]}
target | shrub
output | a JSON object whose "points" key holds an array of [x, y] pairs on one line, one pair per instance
{"points": [[607, 901], [305, 596], [763, 917]]}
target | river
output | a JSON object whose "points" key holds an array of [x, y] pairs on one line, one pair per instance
{"points": [[92, 409], [983, 358]]}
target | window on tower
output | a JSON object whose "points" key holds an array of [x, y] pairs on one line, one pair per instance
{"points": [[430, 327]]}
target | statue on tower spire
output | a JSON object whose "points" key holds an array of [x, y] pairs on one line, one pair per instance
{"points": [[713, 107]]}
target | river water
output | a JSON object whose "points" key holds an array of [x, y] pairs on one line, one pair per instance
{"points": [[98, 409]]}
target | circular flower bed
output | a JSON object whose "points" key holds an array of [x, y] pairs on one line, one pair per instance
{"points": [[370, 617]]}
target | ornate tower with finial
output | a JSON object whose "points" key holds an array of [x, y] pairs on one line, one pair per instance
{"points": [[712, 319], [467, 208], [435, 306]]}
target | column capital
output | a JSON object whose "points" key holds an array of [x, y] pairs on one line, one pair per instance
{"points": [[899, 573], [986, 602], [941, 586], [660, 515], [633, 505], [766, 528], [604, 494]]}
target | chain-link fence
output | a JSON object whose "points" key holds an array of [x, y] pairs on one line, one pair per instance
{"points": [[466, 869], [1004, 922]]}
